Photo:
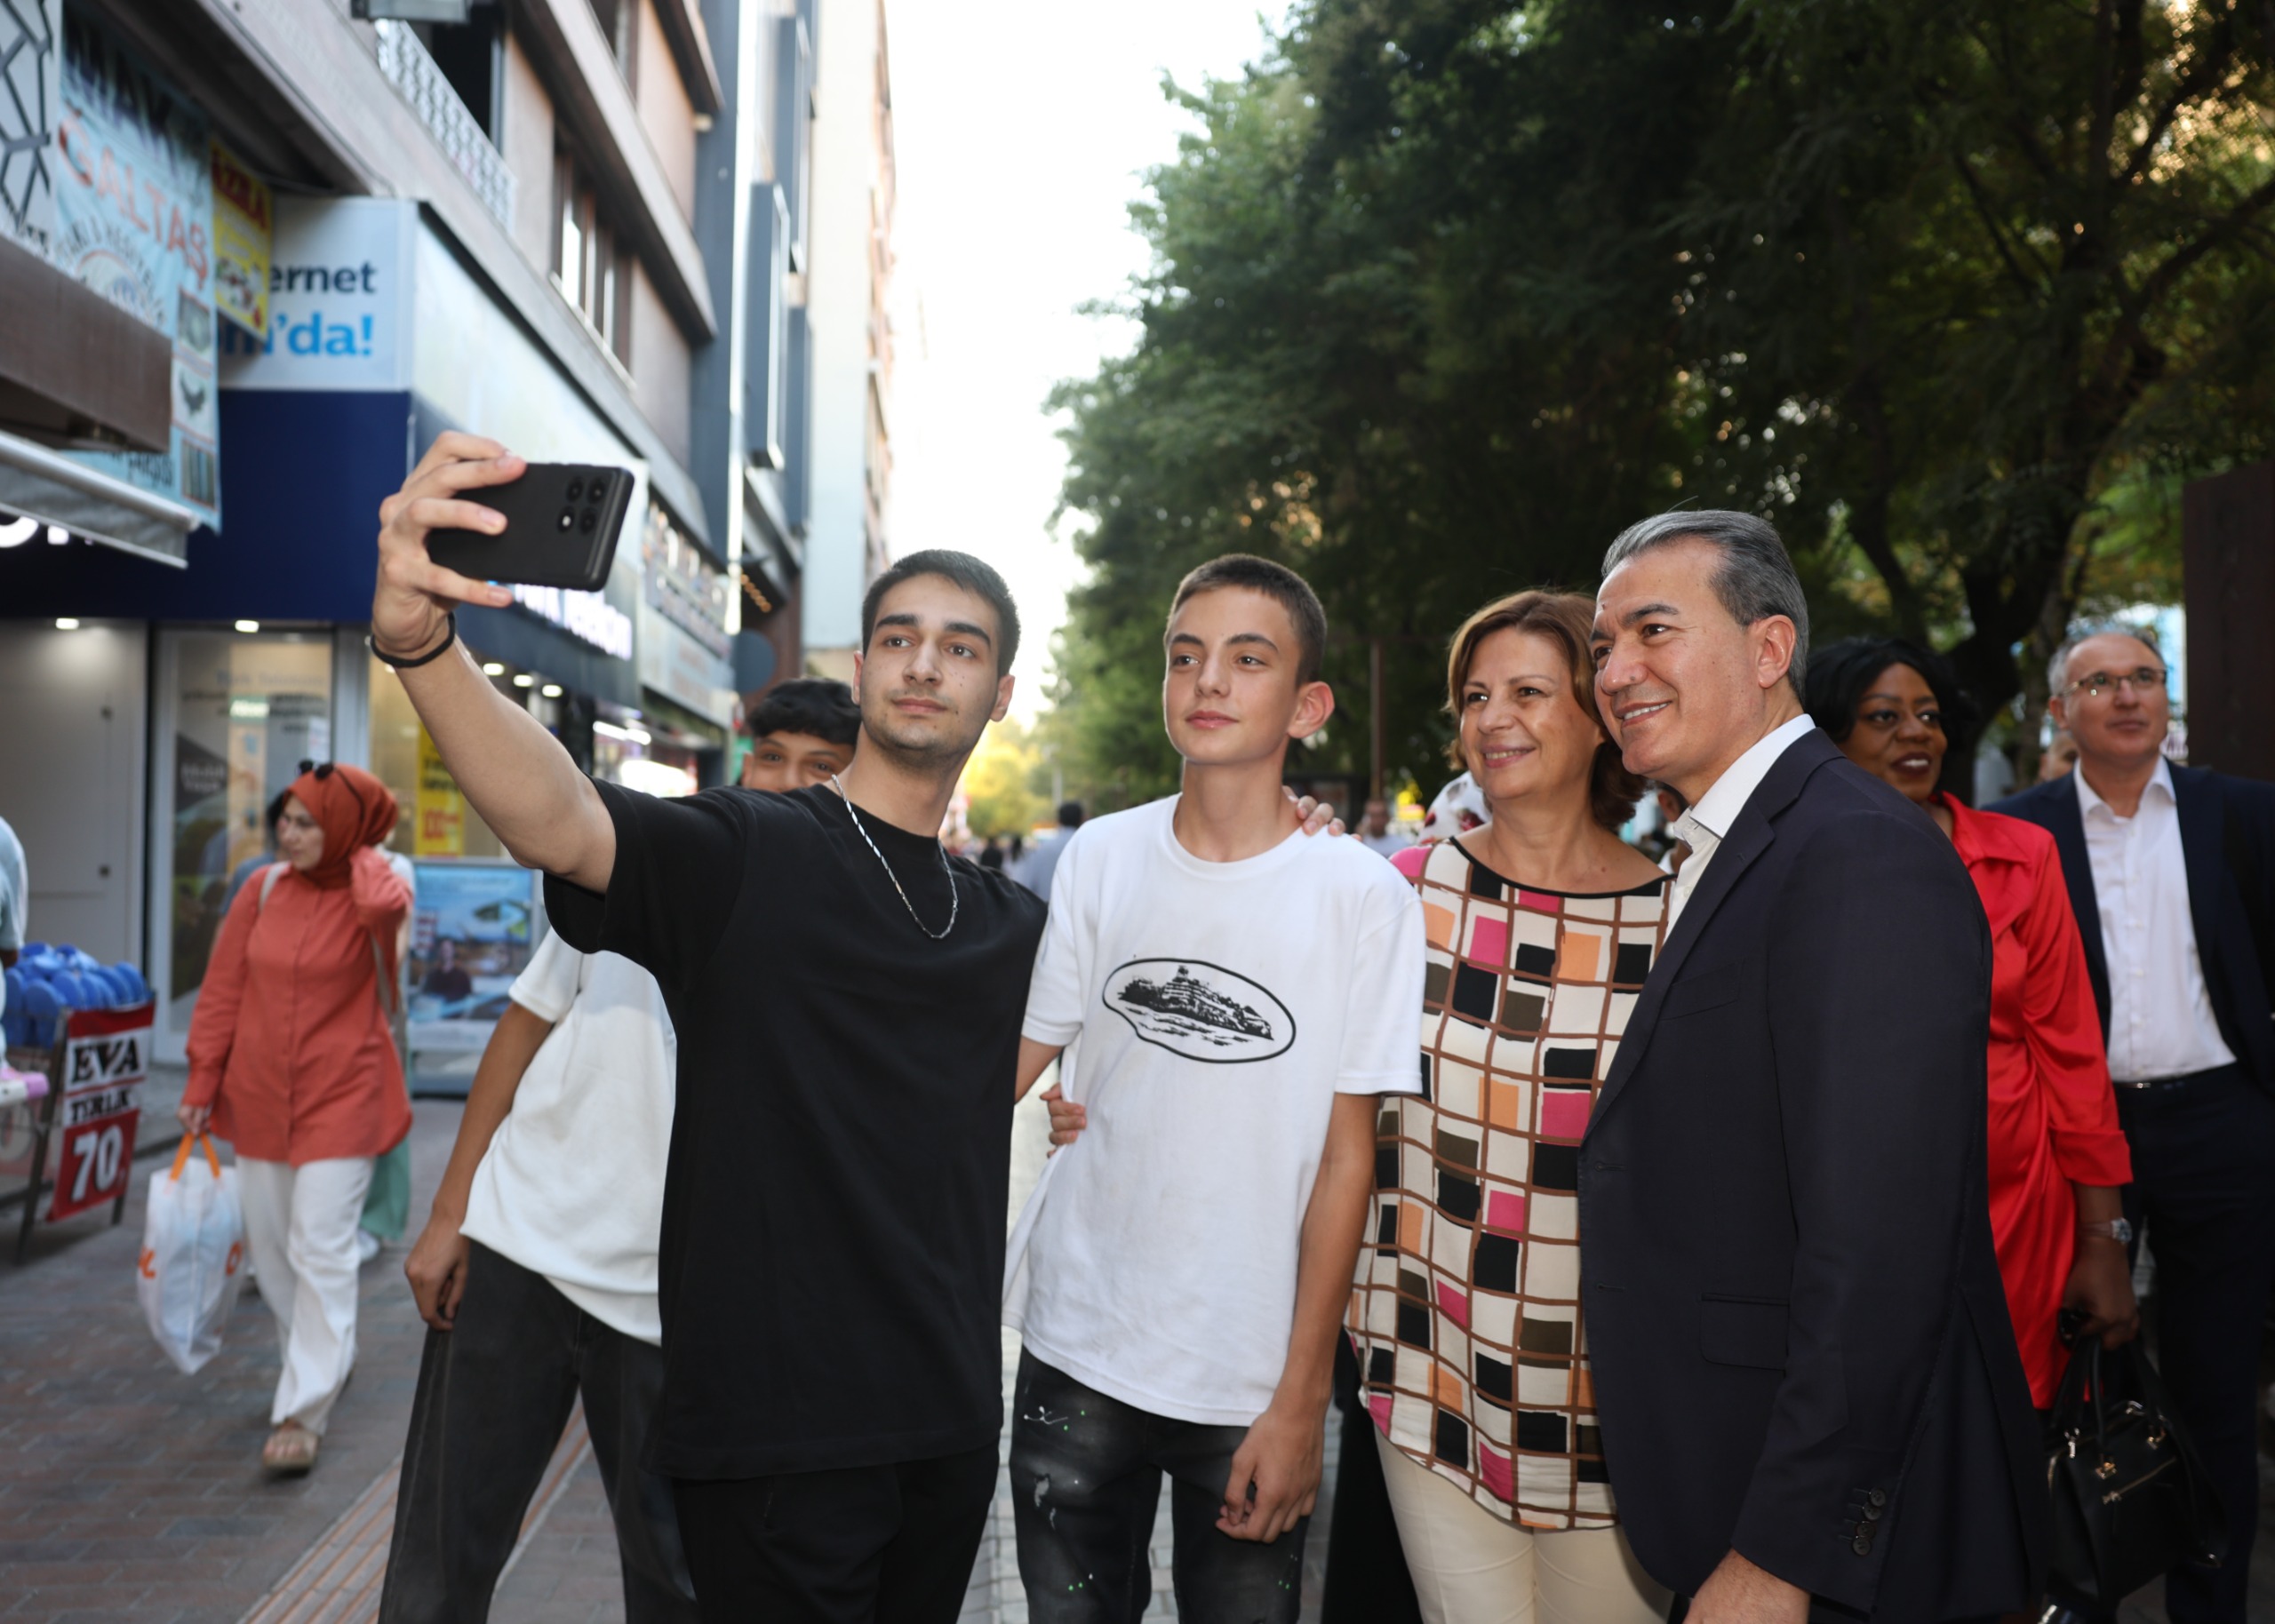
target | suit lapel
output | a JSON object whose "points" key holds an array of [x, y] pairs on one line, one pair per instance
{"points": [[2203, 847], [2067, 824], [1751, 833]]}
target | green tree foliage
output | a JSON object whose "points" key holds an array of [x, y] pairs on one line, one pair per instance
{"points": [[1000, 779], [1445, 292]]}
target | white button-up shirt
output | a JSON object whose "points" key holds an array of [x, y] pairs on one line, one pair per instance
{"points": [[1702, 827], [2160, 1019]]}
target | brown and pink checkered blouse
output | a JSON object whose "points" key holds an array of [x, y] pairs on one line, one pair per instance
{"points": [[1465, 1313]]}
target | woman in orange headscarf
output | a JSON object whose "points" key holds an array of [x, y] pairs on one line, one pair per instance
{"points": [[290, 1060]]}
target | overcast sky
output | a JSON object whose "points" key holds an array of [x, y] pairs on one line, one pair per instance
{"points": [[1021, 129]]}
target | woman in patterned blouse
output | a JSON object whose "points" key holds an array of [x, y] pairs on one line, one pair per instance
{"points": [[1465, 1313]]}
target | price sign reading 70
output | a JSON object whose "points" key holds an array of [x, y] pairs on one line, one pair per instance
{"points": [[106, 1057], [95, 1164]]}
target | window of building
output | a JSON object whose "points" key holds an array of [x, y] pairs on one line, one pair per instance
{"points": [[620, 21], [471, 56], [765, 369], [794, 117], [591, 269]]}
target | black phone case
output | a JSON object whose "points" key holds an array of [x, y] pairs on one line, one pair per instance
{"points": [[562, 524]]}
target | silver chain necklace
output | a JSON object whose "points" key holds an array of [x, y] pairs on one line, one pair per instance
{"points": [[940, 935]]}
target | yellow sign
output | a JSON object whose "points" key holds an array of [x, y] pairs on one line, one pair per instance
{"points": [[245, 231], [440, 828]]}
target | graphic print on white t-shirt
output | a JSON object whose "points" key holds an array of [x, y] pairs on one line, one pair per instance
{"points": [[1211, 1013], [1195, 1009]]}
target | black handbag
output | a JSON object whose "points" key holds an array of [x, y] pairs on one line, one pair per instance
{"points": [[2131, 1500]]}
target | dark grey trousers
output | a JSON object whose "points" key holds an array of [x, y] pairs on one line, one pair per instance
{"points": [[494, 1394]]}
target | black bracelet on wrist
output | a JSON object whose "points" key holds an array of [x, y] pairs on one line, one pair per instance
{"points": [[450, 636]]}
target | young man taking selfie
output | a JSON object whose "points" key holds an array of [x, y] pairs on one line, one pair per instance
{"points": [[832, 1255]]}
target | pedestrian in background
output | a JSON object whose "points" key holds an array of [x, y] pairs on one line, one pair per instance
{"points": [[2057, 1160], [1042, 862], [1535, 919], [14, 887], [2169, 871], [291, 1061], [1374, 832], [535, 1275], [801, 733], [261, 859]]}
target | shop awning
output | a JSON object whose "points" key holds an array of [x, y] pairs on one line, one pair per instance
{"points": [[74, 368], [43, 485]]}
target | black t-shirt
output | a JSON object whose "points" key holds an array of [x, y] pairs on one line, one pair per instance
{"points": [[833, 1242]]}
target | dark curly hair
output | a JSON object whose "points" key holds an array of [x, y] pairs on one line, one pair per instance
{"points": [[1840, 674], [820, 707]]}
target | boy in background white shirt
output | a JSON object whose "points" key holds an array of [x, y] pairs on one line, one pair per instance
{"points": [[1230, 998]]}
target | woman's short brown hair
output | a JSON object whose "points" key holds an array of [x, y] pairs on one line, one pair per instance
{"points": [[1566, 619]]}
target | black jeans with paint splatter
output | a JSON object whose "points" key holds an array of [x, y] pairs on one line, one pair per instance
{"points": [[1086, 1478]]}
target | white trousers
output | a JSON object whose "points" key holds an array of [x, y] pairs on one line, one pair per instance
{"points": [[1470, 1567], [301, 1228]]}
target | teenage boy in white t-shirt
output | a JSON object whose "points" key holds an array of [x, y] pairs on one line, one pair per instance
{"points": [[1228, 999]]}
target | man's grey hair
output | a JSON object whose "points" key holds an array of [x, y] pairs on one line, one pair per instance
{"points": [[1754, 580], [2057, 669]]}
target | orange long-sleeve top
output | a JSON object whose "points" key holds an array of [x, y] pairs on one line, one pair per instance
{"points": [[289, 1044], [2053, 1112]]}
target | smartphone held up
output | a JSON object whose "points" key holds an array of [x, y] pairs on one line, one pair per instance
{"points": [[562, 523]]}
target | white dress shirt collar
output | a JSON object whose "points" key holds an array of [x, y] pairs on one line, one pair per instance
{"points": [[1719, 808], [1702, 827], [2089, 798]]}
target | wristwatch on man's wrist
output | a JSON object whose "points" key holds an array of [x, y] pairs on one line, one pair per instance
{"points": [[2115, 1229]]}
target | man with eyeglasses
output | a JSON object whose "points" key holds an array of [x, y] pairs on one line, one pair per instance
{"points": [[2168, 869]]}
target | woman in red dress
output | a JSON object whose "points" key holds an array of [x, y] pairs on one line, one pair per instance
{"points": [[2057, 1159]]}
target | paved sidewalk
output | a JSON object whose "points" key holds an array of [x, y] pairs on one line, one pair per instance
{"points": [[129, 1491], [568, 1574]]}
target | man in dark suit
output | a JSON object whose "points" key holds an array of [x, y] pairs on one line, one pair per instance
{"points": [[1811, 1402], [2168, 870]]}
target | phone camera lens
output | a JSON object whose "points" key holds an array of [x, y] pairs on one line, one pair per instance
{"points": [[592, 517], [576, 489], [568, 517]]}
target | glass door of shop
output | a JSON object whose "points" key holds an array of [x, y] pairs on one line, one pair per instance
{"points": [[237, 712]]}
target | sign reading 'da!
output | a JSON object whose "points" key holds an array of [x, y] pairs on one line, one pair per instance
{"points": [[339, 300]]}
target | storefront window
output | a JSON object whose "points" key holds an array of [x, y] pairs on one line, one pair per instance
{"points": [[432, 818], [630, 755], [248, 709]]}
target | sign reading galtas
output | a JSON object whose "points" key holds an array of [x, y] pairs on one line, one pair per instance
{"points": [[134, 213]]}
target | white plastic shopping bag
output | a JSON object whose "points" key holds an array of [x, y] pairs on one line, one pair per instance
{"points": [[192, 1255]]}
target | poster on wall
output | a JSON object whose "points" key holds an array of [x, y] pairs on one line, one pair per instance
{"points": [[243, 235], [133, 217], [438, 826], [474, 924]]}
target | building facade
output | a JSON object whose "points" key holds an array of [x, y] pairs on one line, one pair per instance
{"points": [[850, 329], [276, 248]]}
